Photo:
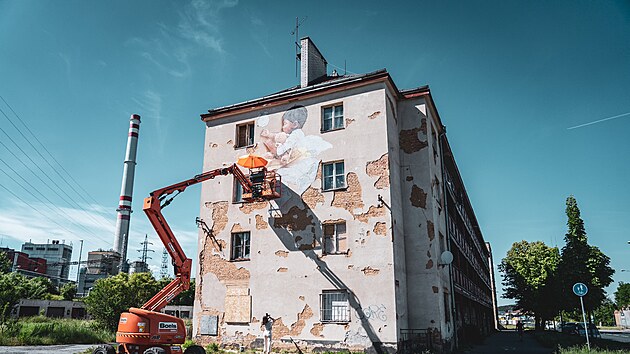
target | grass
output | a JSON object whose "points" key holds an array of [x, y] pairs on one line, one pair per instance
{"points": [[573, 344], [41, 330]]}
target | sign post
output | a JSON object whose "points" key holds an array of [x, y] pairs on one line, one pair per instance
{"points": [[580, 290]]}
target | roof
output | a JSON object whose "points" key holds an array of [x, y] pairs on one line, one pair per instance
{"points": [[326, 84]]}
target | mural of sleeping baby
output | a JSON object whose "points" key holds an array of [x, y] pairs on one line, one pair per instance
{"points": [[292, 153]]}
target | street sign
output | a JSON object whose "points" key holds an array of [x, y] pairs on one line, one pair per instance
{"points": [[580, 289]]}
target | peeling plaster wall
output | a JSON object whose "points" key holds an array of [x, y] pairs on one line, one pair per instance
{"points": [[287, 271], [395, 201], [423, 217]]}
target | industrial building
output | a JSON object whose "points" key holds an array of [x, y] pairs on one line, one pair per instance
{"points": [[58, 256], [373, 245], [100, 264]]}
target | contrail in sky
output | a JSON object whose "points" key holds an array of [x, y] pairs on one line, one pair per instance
{"points": [[598, 121]]}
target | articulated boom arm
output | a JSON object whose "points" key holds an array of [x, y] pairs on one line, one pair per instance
{"points": [[182, 265]]}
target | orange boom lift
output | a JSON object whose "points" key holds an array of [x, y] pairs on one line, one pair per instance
{"points": [[145, 330]]}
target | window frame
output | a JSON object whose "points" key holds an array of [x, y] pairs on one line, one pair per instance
{"points": [[334, 176], [343, 317], [250, 133], [236, 187], [245, 245], [333, 108], [335, 238]]}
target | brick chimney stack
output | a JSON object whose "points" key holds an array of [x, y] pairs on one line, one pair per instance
{"points": [[313, 63]]}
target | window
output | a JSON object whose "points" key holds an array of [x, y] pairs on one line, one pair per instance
{"points": [[334, 306], [447, 309], [240, 246], [237, 196], [245, 134], [335, 239], [332, 118], [333, 176]]}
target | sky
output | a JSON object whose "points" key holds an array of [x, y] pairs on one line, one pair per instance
{"points": [[535, 97]]}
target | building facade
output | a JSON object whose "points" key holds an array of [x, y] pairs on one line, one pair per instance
{"points": [[100, 264], [58, 256], [355, 254]]}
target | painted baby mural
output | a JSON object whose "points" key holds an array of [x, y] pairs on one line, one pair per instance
{"points": [[291, 152]]}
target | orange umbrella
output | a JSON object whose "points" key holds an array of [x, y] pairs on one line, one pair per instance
{"points": [[252, 161]]}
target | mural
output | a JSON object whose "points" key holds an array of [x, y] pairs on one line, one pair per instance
{"points": [[291, 152]]}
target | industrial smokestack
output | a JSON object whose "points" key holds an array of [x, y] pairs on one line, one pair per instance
{"points": [[126, 191]]}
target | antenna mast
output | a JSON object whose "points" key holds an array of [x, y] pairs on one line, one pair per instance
{"points": [[295, 32]]}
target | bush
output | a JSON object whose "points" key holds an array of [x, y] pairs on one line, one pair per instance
{"points": [[46, 331]]}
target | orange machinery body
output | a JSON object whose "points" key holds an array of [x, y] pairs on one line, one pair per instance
{"points": [[144, 328], [140, 329]]}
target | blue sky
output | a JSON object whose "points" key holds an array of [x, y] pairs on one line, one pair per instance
{"points": [[509, 79]]}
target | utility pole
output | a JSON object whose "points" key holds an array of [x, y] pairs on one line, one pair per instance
{"points": [[79, 263], [145, 249], [164, 266]]}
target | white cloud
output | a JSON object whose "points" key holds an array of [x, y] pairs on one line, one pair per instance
{"points": [[20, 223]]}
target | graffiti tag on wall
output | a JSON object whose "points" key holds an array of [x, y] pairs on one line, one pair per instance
{"points": [[374, 312]]}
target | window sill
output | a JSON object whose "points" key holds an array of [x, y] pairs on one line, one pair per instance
{"points": [[334, 322], [243, 147], [239, 260], [335, 189], [331, 130]]}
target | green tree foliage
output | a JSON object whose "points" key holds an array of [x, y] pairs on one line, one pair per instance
{"points": [[605, 313], [583, 263], [14, 286], [529, 278], [68, 291], [111, 296], [5, 263], [622, 295]]}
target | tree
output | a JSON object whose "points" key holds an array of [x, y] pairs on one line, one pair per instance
{"points": [[111, 296], [582, 263], [605, 314], [529, 278], [14, 286], [5, 263], [622, 295], [68, 291]]}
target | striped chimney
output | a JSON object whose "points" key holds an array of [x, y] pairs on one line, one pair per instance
{"points": [[126, 190]]}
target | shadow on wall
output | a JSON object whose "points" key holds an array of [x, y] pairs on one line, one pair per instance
{"points": [[299, 229]]}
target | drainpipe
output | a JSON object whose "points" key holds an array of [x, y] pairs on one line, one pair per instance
{"points": [[448, 243]]}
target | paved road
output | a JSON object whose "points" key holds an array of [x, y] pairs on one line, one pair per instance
{"points": [[47, 349], [508, 342], [618, 336]]}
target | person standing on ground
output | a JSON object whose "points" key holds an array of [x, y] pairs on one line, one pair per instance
{"points": [[267, 322], [519, 329]]}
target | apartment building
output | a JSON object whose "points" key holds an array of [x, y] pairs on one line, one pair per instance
{"points": [[58, 256], [372, 246]]}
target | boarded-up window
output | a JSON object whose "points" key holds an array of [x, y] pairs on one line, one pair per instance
{"points": [[245, 134], [238, 304], [335, 238]]}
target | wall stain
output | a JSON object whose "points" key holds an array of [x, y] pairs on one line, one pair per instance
{"points": [[380, 169], [370, 271], [418, 197], [295, 219], [312, 196], [298, 326], [282, 270], [430, 230], [435, 289], [281, 253], [249, 207], [374, 115], [237, 228], [219, 215], [409, 141], [429, 264], [380, 228], [317, 329], [261, 224], [350, 198], [373, 212], [223, 269], [349, 121]]}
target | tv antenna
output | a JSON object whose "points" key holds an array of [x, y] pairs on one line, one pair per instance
{"points": [[295, 32]]}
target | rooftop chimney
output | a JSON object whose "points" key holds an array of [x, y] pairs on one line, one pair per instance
{"points": [[313, 63]]}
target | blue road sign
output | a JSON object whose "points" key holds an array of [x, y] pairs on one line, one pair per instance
{"points": [[580, 289]]}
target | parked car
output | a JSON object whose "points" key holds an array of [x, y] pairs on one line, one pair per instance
{"points": [[568, 327], [592, 330]]}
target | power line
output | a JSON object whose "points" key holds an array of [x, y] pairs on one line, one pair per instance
{"points": [[42, 195], [48, 163]]}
